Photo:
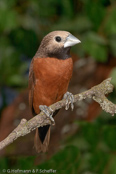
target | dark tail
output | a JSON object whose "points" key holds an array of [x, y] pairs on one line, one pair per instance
{"points": [[42, 138]]}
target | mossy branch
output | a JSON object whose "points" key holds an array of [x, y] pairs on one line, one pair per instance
{"points": [[97, 93]]}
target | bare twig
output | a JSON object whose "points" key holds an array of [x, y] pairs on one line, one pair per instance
{"points": [[97, 93]]}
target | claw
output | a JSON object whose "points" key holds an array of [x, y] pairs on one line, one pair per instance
{"points": [[48, 111], [69, 100]]}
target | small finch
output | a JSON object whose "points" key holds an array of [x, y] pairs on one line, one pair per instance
{"points": [[49, 76]]}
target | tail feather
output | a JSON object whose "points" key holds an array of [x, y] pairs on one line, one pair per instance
{"points": [[41, 145], [42, 137]]}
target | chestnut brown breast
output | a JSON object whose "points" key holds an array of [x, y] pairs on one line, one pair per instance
{"points": [[51, 79]]}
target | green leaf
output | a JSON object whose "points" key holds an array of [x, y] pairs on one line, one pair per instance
{"points": [[95, 46], [3, 163], [99, 161], [95, 11], [61, 160], [8, 20], [90, 134], [112, 44], [25, 163], [112, 165], [67, 8], [78, 25], [113, 75], [110, 22], [109, 136], [17, 80], [25, 41]]}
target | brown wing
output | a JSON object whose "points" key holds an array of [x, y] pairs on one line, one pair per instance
{"points": [[39, 145], [31, 85]]}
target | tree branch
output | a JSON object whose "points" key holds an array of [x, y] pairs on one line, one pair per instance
{"points": [[97, 93]]}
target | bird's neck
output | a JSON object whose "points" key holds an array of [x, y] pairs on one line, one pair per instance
{"points": [[63, 53]]}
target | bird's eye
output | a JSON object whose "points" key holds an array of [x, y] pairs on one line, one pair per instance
{"points": [[58, 38]]}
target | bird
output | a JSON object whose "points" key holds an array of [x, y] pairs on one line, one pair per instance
{"points": [[49, 76]]}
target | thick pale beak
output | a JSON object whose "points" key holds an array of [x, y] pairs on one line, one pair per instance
{"points": [[70, 41]]}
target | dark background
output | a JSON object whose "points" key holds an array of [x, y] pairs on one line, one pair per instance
{"points": [[82, 141]]}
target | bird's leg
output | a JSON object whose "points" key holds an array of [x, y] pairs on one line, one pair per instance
{"points": [[48, 111], [69, 100]]}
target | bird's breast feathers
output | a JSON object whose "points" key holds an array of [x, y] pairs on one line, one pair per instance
{"points": [[51, 70], [52, 77]]}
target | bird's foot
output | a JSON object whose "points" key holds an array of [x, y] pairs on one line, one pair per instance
{"points": [[69, 100], [48, 112]]}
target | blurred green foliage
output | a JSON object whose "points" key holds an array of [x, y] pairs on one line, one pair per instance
{"points": [[91, 149], [24, 23], [22, 26]]}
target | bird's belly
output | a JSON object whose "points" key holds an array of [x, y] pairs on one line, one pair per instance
{"points": [[51, 84], [48, 93]]}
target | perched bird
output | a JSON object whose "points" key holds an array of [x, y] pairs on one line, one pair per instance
{"points": [[49, 76]]}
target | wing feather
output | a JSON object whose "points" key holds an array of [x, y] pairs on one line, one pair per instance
{"points": [[31, 86]]}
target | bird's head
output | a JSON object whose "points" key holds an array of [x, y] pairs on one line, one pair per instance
{"points": [[57, 44]]}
